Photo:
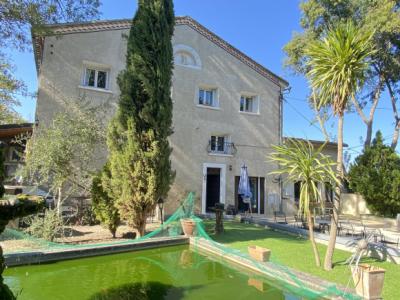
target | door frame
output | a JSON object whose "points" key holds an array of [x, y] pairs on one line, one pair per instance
{"points": [[222, 183]]}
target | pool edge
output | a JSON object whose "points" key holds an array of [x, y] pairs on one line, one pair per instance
{"points": [[311, 282], [38, 257]]}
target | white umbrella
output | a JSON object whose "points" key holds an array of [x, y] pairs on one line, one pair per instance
{"points": [[244, 186]]}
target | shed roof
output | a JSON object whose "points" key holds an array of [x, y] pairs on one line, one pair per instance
{"points": [[12, 130]]}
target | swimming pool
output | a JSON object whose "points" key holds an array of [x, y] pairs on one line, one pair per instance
{"points": [[164, 273]]}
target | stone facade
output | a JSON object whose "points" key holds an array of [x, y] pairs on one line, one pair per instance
{"points": [[203, 62]]}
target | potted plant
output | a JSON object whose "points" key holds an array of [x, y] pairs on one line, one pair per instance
{"points": [[188, 226], [368, 280], [187, 221], [259, 253]]}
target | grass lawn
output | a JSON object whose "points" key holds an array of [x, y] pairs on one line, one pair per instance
{"points": [[296, 252]]}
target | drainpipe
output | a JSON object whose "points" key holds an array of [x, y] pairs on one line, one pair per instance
{"points": [[281, 91]]}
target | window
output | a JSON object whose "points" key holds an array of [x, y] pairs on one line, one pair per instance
{"points": [[249, 104], [208, 97], [217, 143], [186, 56], [15, 154], [257, 188], [328, 192], [221, 144], [184, 59], [96, 78], [297, 188]]}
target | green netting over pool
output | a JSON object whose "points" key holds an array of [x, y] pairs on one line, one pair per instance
{"points": [[277, 272]]}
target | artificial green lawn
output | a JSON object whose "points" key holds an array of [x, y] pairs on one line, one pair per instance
{"points": [[296, 252]]}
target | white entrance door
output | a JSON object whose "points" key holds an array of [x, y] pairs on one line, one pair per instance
{"points": [[222, 183]]}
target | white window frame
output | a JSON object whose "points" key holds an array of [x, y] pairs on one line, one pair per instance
{"points": [[215, 100], [190, 51], [256, 100], [96, 74], [227, 139], [97, 68]]}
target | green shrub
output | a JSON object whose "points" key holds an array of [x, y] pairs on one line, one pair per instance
{"points": [[48, 226], [375, 174], [87, 216], [103, 205]]}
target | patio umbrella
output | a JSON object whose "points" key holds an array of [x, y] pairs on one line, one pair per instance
{"points": [[244, 186]]}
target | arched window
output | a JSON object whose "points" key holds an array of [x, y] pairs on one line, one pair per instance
{"points": [[186, 56]]}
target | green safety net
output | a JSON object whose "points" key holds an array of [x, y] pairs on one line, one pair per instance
{"points": [[274, 270]]}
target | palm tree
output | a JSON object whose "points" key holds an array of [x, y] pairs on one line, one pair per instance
{"points": [[301, 162], [337, 65]]}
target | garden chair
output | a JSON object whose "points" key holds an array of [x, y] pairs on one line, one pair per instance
{"points": [[375, 233], [300, 222], [349, 229], [280, 217], [297, 221]]}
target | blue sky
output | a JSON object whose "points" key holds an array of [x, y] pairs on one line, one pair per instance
{"points": [[260, 29]]}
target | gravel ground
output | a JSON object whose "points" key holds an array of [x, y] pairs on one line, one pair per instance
{"points": [[74, 235]]}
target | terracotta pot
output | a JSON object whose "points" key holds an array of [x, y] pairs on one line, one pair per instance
{"points": [[259, 253], [188, 226], [368, 281]]}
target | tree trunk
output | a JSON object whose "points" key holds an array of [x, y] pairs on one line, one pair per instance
{"points": [[368, 138], [113, 231], [59, 201], [395, 138], [141, 224], [312, 240], [370, 120], [336, 201]]}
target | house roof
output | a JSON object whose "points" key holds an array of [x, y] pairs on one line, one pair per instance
{"points": [[11, 130], [317, 143], [104, 25]]}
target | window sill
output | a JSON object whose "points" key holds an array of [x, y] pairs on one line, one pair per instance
{"points": [[219, 154], [188, 66], [249, 113], [208, 107], [95, 89]]}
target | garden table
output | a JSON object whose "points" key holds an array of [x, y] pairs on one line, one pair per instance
{"points": [[323, 224]]}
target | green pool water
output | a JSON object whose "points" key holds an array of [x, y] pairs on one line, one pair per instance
{"points": [[163, 273]]}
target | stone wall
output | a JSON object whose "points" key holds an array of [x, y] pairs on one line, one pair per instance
{"points": [[353, 204]]}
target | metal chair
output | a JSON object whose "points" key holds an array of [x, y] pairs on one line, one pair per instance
{"points": [[280, 217]]}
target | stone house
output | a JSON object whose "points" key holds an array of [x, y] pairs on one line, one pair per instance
{"points": [[227, 107]]}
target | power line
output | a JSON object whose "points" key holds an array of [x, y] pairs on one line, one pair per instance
{"points": [[362, 145], [303, 116], [306, 101], [312, 123]]}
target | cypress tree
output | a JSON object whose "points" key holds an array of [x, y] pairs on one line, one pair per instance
{"points": [[138, 134], [102, 201]]}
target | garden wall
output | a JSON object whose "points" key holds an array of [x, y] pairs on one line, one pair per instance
{"points": [[353, 204]]}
